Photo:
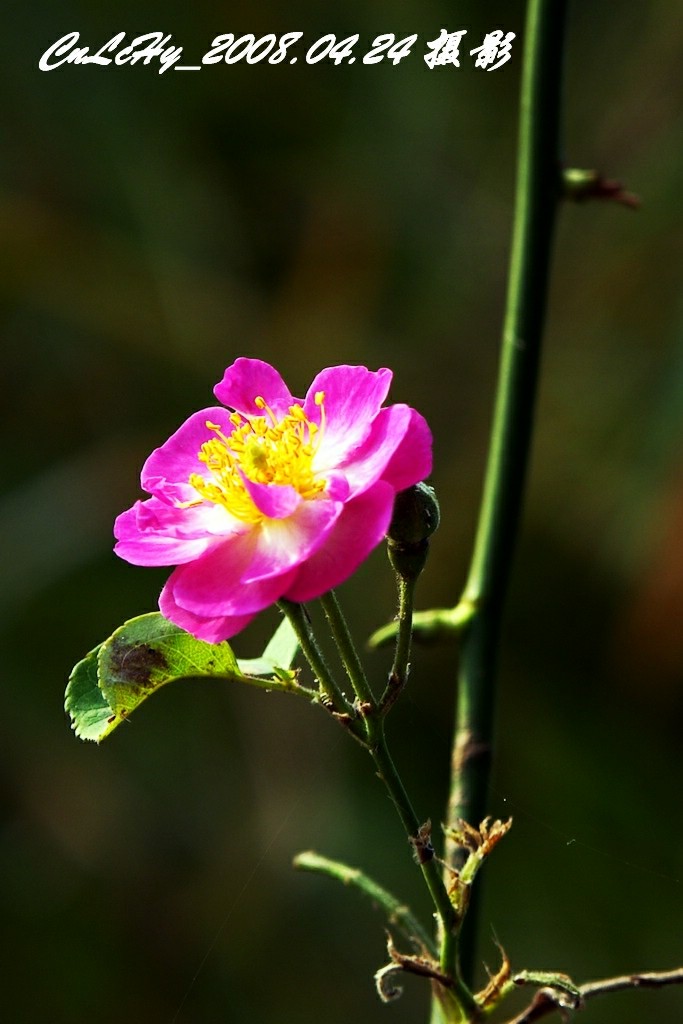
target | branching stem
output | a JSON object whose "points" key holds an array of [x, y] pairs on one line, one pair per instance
{"points": [[331, 694], [546, 1000], [347, 650], [366, 722], [537, 192]]}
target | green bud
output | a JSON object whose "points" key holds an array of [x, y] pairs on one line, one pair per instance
{"points": [[415, 518]]}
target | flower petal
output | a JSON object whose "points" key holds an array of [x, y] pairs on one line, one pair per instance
{"points": [[277, 501], [360, 528], [177, 458], [201, 520], [398, 450], [412, 460], [353, 398], [212, 630], [248, 379], [336, 486], [368, 463], [213, 585], [142, 544], [282, 544]]}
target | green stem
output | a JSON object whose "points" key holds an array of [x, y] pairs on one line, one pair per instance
{"points": [[331, 695], [374, 740], [377, 748], [537, 194], [347, 651], [376, 745], [397, 913], [448, 922], [398, 677]]}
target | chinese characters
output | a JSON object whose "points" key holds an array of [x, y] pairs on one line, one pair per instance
{"points": [[493, 52]]}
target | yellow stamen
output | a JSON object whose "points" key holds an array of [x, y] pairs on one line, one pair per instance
{"points": [[264, 449]]}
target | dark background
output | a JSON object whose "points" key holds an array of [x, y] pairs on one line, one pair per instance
{"points": [[154, 227]]}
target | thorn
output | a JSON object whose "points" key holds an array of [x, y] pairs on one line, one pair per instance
{"points": [[580, 185]]}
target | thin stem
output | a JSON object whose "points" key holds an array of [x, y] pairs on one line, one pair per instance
{"points": [[398, 677], [273, 684], [374, 740], [419, 836], [397, 913], [650, 979], [331, 694], [548, 1001], [375, 743], [537, 193], [347, 650]]}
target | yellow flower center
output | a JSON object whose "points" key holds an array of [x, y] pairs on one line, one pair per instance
{"points": [[267, 451]]}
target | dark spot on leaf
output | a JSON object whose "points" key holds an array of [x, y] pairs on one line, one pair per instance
{"points": [[134, 664]]}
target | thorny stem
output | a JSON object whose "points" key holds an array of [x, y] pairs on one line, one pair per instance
{"points": [[537, 193]]}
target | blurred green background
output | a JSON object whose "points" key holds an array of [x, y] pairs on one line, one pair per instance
{"points": [[154, 227]]}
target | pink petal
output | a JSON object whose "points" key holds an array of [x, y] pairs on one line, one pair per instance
{"points": [[212, 630], [282, 544], [336, 486], [177, 458], [368, 463], [277, 501], [412, 460], [204, 520], [141, 547], [248, 379], [213, 585], [398, 450], [361, 527], [353, 398]]}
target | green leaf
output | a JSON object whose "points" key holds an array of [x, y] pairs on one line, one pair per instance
{"points": [[278, 656], [149, 651], [141, 656], [91, 716]]}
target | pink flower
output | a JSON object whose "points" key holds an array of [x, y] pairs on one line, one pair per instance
{"points": [[279, 498]]}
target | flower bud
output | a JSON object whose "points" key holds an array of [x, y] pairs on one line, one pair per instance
{"points": [[415, 518]]}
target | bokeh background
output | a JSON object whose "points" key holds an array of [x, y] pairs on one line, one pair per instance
{"points": [[153, 228]]}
